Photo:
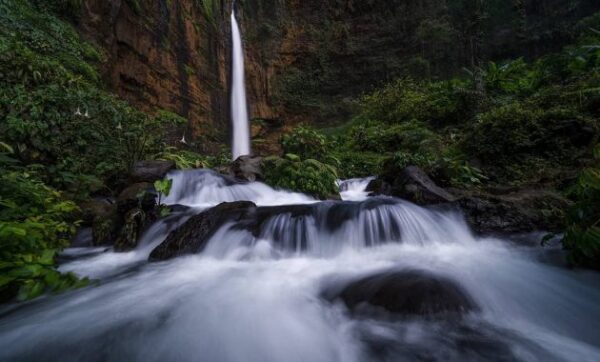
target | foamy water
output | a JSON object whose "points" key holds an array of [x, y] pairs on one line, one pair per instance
{"points": [[257, 297]]}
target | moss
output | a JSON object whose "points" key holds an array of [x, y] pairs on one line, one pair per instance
{"points": [[307, 176]]}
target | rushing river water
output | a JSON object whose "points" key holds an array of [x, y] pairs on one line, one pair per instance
{"points": [[259, 298]]}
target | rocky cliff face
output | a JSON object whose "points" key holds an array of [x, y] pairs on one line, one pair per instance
{"points": [[165, 54], [307, 60]]}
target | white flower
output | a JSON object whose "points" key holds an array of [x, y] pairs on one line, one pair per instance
{"points": [[183, 139], [86, 115], [78, 112], [119, 126]]}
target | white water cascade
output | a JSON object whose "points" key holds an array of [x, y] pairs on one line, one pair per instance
{"points": [[239, 108], [258, 293]]}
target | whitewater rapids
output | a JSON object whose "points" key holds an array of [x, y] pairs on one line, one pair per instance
{"points": [[249, 298]]}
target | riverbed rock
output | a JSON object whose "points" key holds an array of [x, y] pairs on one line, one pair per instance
{"points": [[523, 210], [94, 208], [150, 171], [378, 186], [141, 194], [412, 184], [102, 216], [246, 168], [192, 236], [404, 293], [134, 224], [105, 226]]}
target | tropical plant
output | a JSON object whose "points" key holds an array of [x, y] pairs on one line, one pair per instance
{"points": [[35, 224], [307, 176]]}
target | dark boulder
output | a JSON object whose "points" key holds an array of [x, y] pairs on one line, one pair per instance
{"points": [[94, 208], [191, 237], [411, 184], [516, 211], [404, 293], [134, 223], [150, 171], [414, 185], [106, 228], [245, 168], [379, 187], [102, 215], [141, 194]]}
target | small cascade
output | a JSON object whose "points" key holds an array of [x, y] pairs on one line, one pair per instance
{"points": [[327, 228], [205, 188], [257, 291], [354, 189], [239, 108]]}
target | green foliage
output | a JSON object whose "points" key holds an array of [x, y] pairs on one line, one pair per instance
{"points": [[517, 132], [186, 159], [307, 176], [411, 136], [582, 237], [163, 187], [405, 100], [533, 121], [52, 111], [305, 142], [511, 78], [209, 7], [35, 224], [353, 163]]}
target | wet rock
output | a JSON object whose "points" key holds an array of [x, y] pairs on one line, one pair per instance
{"points": [[192, 236], [513, 212], [105, 227], [140, 194], [133, 226], [379, 187], [150, 171], [404, 293], [94, 208], [414, 185], [246, 168], [102, 216], [83, 238]]}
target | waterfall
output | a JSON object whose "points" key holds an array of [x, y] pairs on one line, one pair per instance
{"points": [[259, 291], [239, 110]]}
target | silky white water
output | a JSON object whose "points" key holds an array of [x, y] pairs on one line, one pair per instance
{"points": [[257, 297], [354, 189], [205, 188], [239, 108]]}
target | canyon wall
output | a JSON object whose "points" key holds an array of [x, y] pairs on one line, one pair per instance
{"points": [[306, 60]]}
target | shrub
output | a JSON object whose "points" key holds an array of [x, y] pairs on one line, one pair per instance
{"points": [[404, 100], [353, 164], [411, 136], [52, 111], [582, 237], [35, 224], [305, 142], [309, 176]]}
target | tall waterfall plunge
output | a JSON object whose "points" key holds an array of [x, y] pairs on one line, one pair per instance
{"points": [[239, 110]]}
